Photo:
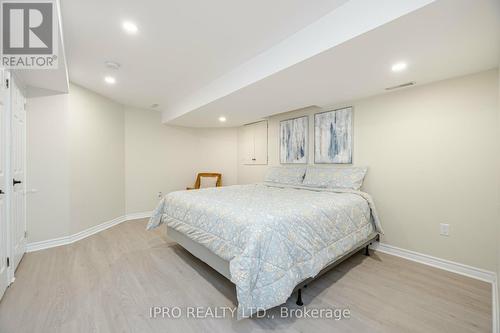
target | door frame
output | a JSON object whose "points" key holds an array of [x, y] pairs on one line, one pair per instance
{"points": [[6, 247], [7, 183], [18, 85], [8, 187], [7, 77]]}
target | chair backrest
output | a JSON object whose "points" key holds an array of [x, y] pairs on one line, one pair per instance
{"points": [[218, 182]]}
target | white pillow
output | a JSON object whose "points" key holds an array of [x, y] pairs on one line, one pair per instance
{"points": [[334, 177], [208, 182], [286, 175]]}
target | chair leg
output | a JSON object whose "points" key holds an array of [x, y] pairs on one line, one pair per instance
{"points": [[299, 298], [367, 252]]}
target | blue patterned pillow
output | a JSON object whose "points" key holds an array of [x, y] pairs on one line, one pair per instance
{"points": [[286, 175], [334, 177]]}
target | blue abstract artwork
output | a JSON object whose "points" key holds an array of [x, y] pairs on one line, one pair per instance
{"points": [[333, 136], [294, 140]]}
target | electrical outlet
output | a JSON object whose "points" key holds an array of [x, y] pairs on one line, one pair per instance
{"points": [[160, 195], [444, 229]]}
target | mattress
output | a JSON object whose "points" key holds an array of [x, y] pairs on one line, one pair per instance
{"points": [[273, 236]]}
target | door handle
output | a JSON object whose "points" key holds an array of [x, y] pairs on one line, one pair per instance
{"points": [[14, 182]]}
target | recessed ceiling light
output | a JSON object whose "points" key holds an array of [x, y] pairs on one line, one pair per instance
{"points": [[398, 67], [130, 27], [109, 80], [222, 119]]}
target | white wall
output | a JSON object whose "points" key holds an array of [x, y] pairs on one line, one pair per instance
{"points": [[167, 158], [97, 161], [92, 160], [47, 169], [429, 150], [75, 161], [218, 152], [157, 159]]}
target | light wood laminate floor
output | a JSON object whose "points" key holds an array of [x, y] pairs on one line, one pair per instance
{"points": [[109, 281]]}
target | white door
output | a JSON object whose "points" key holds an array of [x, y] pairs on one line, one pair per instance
{"points": [[4, 278], [247, 145], [18, 153], [254, 143]]}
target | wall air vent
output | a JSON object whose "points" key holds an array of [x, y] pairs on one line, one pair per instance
{"points": [[404, 85], [112, 65]]}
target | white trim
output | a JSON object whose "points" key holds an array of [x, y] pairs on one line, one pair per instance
{"points": [[495, 308], [450, 266], [140, 215], [65, 240], [7, 166]]}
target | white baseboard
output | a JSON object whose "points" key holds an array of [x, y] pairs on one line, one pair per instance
{"points": [[447, 265], [496, 309], [451, 266], [140, 215], [46, 244]]}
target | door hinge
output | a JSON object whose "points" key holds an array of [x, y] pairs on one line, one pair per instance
{"points": [[8, 262], [25, 234]]}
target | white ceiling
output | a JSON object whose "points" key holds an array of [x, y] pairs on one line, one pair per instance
{"points": [[342, 24], [251, 59], [181, 46], [445, 39]]}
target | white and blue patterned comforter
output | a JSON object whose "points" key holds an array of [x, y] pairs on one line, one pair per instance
{"points": [[274, 236]]}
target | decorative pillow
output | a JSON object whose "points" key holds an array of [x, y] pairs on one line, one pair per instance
{"points": [[286, 175], [334, 177], [206, 182]]}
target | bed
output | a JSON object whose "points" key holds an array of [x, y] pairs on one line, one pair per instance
{"points": [[269, 238]]}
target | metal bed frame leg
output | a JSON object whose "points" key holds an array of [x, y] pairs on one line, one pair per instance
{"points": [[299, 298], [367, 252]]}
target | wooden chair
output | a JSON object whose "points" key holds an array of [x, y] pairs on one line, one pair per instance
{"points": [[197, 184]]}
